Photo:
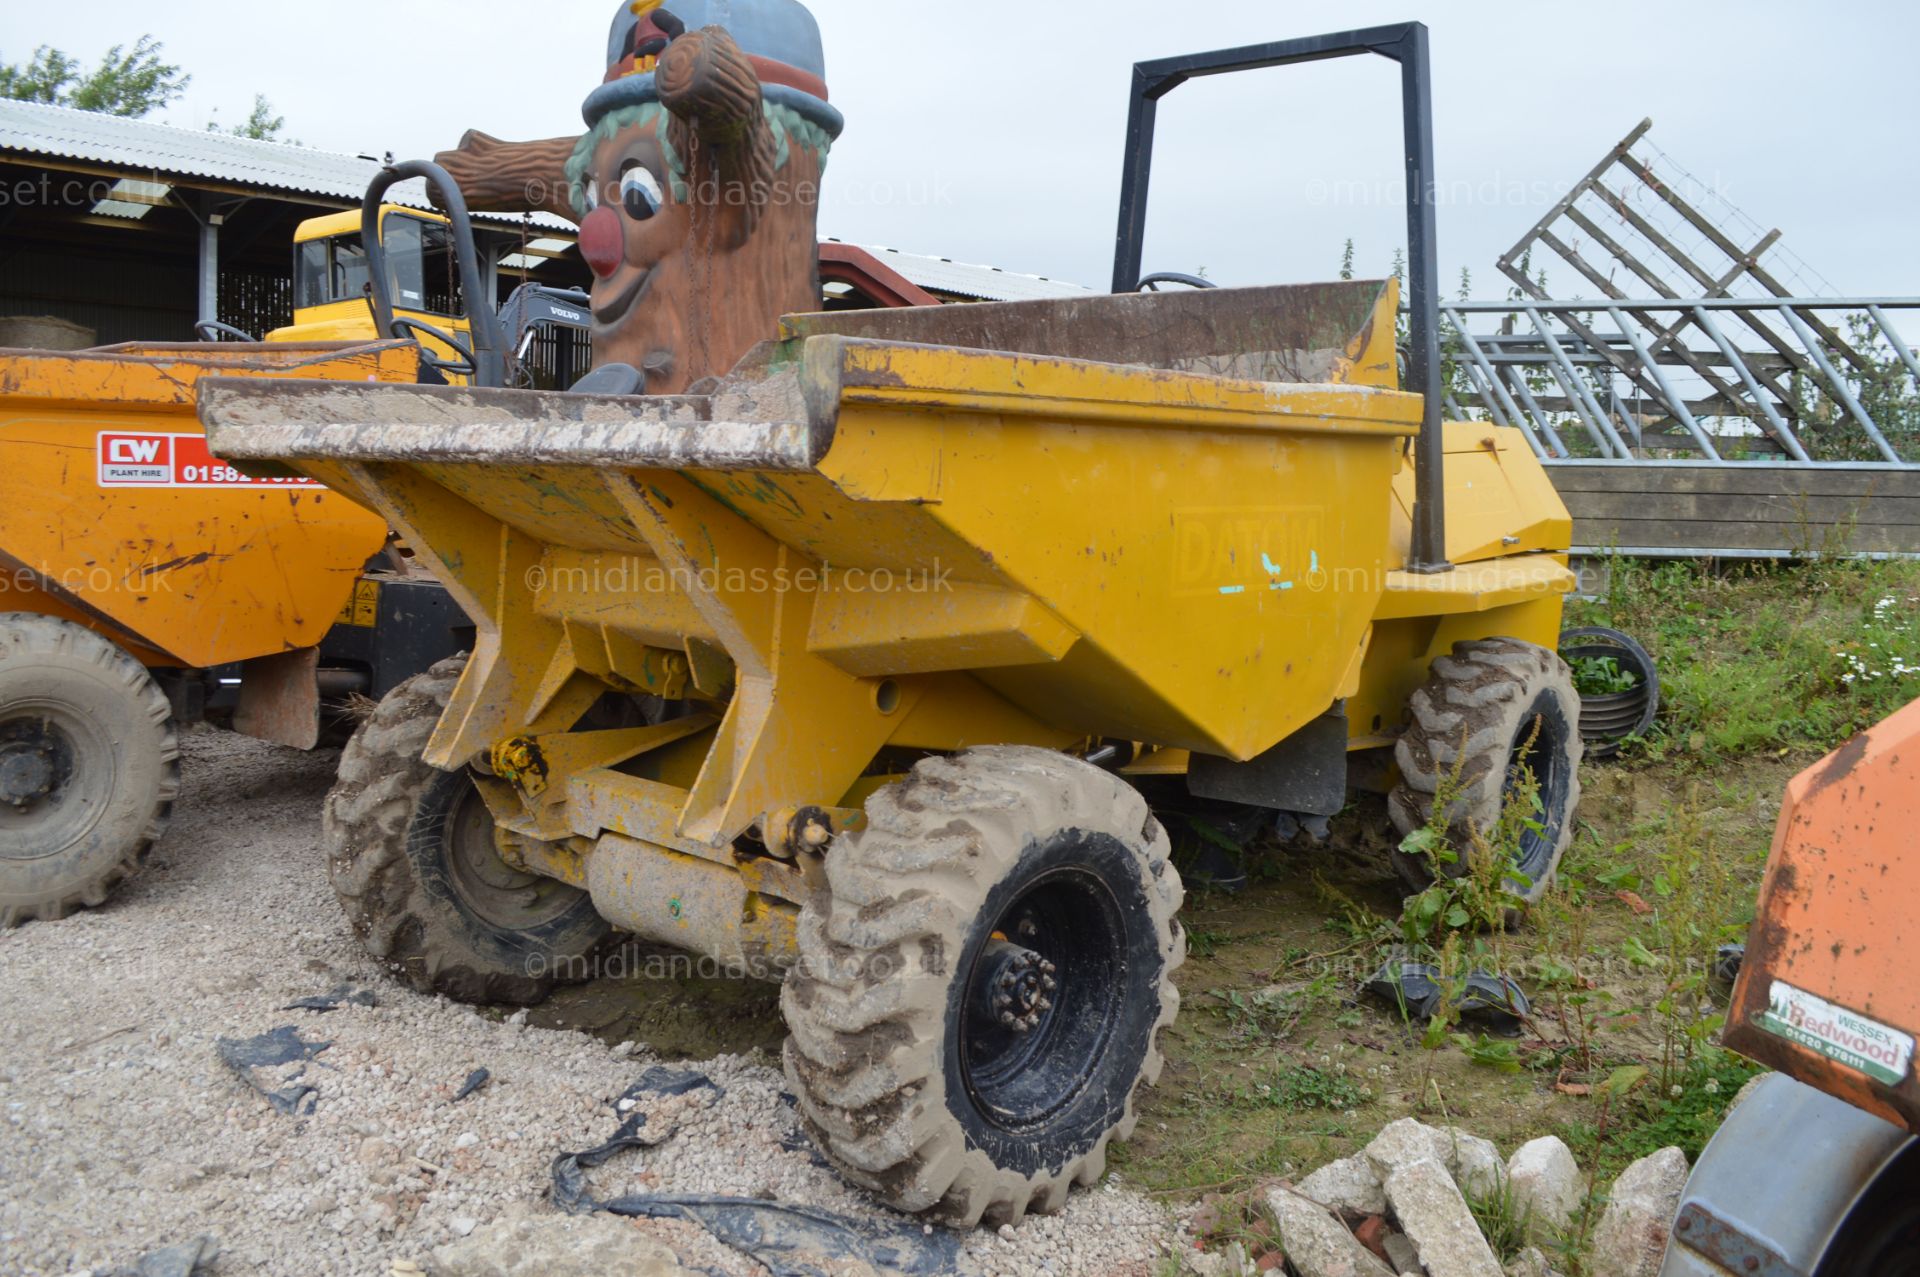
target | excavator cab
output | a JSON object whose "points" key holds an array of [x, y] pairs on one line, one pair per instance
{"points": [[333, 284]]}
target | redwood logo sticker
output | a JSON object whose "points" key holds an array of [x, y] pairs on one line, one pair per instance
{"points": [[1882, 1053], [142, 460]]}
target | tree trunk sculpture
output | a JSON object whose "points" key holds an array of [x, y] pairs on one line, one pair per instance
{"points": [[696, 190]]}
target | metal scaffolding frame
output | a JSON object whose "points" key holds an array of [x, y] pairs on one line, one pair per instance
{"points": [[1550, 369], [1717, 354]]}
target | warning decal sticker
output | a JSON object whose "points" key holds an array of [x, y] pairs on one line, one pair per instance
{"points": [[1882, 1053], [139, 459]]}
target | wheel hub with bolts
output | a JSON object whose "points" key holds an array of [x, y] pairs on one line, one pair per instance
{"points": [[1015, 986], [420, 866], [33, 763], [484, 879], [89, 767]]}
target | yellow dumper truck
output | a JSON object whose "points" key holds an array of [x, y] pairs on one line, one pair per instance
{"points": [[894, 622], [843, 671]]}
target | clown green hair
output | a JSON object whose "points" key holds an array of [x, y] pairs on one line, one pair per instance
{"points": [[788, 125]]}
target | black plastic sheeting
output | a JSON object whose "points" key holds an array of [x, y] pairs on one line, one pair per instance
{"points": [[475, 1080], [188, 1259], [341, 996], [281, 1047], [799, 1241], [796, 1141], [1417, 989], [789, 1241]]}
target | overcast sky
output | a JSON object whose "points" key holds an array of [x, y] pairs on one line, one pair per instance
{"points": [[992, 132]]}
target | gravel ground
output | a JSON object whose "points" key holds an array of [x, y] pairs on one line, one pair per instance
{"points": [[124, 1132]]}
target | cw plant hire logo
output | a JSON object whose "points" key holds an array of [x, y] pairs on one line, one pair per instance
{"points": [[145, 459]]}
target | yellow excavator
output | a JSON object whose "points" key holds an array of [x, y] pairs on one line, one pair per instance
{"points": [[333, 298], [332, 284]]}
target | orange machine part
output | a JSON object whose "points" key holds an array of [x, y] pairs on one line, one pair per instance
{"points": [[116, 514], [1828, 993]]}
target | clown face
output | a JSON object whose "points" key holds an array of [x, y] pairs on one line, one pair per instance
{"points": [[635, 238], [696, 188]]}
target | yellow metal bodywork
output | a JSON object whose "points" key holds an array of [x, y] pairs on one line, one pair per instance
{"points": [[1507, 537], [352, 321], [205, 568], [986, 548]]}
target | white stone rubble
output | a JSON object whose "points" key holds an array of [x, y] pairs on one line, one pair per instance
{"points": [[121, 1132], [1632, 1233]]}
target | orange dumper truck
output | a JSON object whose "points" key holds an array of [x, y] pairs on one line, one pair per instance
{"points": [[1817, 1172], [148, 583]]}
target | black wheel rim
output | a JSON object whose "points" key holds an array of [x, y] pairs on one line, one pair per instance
{"points": [[57, 776], [1020, 1076], [491, 889], [1540, 749]]}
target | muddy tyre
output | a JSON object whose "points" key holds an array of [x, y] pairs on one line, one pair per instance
{"points": [[981, 990], [89, 767], [411, 853], [1493, 707]]}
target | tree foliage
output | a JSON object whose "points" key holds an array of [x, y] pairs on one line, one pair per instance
{"points": [[262, 125], [127, 82]]}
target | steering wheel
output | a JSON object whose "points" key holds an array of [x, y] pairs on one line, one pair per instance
{"points": [[214, 330], [462, 365], [1151, 284]]}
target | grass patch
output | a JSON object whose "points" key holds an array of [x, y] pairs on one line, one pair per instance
{"points": [[1276, 1067], [1761, 656], [1683, 1116], [1506, 1224]]}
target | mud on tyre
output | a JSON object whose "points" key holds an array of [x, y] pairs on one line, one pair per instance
{"points": [[411, 853], [1492, 708], [981, 990], [89, 767]]}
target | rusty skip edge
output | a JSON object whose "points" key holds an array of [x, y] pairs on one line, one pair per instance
{"points": [[329, 421], [777, 411], [762, 418], [774, 413]]}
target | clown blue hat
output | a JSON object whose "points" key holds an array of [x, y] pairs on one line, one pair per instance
{"points": [[780, 37]]}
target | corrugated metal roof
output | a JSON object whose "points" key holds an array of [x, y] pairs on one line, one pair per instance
{"points": [[57, 133], [142, 148], [987, 283]]}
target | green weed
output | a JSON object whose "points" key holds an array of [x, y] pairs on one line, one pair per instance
{"points": [[1302, 1089], [1501, 1054], [1504, 1221], [1270, 1014], [1646, 1119], [1602, 676], [1203, 943], [1475, 887]]}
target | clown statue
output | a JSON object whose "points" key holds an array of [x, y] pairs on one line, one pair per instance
{"points": [[696, 186]]}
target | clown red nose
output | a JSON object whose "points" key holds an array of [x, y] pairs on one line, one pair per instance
{"points": [[603, 240]]}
